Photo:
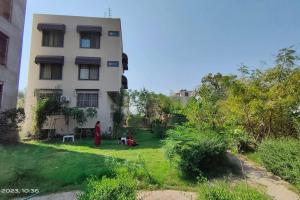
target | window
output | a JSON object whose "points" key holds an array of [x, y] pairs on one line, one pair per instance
{"points": [[5, 9], [88, 72], [87, 98], [50, 71], [186, 94], [1, 93], [90, 40], [112, 63], [114, 33], [49, 93], [53, 38], [3, 48]]}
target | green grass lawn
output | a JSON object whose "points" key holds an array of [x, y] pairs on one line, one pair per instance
{"points": [[53, 166]]}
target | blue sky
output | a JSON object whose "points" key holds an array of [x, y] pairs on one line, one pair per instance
{"points": [[171, 44]]}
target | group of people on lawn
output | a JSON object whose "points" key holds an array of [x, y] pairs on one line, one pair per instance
{"points": [[130, 141]]}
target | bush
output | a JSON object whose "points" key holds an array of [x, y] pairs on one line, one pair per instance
{"points": [[135, 121], [136, 169], [159, 128], [9, 121], [223, 191], [43, 109], [122, 187], [178, 119], [195, 151], [282, 158], [240, 140]]}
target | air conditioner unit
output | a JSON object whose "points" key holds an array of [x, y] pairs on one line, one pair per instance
{"points": [[65, 99]]}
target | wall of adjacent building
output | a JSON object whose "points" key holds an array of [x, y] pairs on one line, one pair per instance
{"points": [[110, 77], [9, 74]]}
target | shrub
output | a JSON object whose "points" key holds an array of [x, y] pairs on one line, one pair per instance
{"points": [[9, 121], [135, 121], [282, 157], [136, 169], [178, 118], [223, 191], [159, 128], [195, 151], [122, 187], [240, 140], [42, 110]]}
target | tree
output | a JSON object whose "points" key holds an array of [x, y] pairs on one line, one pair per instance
{"points": [[259, 103], [21, 99], [152, 106]]}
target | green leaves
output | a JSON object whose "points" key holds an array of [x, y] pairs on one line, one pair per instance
{"points": [[282, 157], [261, 102], [195, 150]]}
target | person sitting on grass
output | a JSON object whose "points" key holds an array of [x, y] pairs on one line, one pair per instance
{"points": [[130, 140]]}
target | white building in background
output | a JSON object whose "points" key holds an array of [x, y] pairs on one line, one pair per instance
{"points": [[12, 15], [81, 60], [183, 95]]}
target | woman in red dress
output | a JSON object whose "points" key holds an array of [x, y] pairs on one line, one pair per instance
{"points": [[97, 134]]}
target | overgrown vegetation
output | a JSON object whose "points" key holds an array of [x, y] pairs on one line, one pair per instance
{"points": [[118, 114], [123, 183], [196, 151], [226, 191], [282, 157], [121, 187], [52, 106], [156, 111], [9, 121], [43, 109], [262, 103]]}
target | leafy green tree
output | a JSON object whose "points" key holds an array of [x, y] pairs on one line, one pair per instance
{"points": [[260, 103]]}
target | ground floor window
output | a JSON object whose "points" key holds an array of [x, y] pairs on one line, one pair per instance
{"points": [[87, 98], [49, 93]]}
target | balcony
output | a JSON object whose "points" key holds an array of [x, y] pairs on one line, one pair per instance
{"points": [[125, 61], [124, 82]]}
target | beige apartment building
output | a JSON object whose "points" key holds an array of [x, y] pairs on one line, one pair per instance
{"points": [[12, 15], [81, 60]]}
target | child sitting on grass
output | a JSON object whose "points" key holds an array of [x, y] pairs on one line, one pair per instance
{"points": [[130, 140]]}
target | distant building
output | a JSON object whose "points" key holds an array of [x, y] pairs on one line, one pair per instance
{"points": [[12, 15], [79, 60], [183, 95]]}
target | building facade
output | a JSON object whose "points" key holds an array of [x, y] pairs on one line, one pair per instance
{"points": [[79, 59], [12, 15], [183, 95]]}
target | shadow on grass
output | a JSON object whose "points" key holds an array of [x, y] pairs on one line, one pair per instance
{"points": [[225, 169], [30, 166]]}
